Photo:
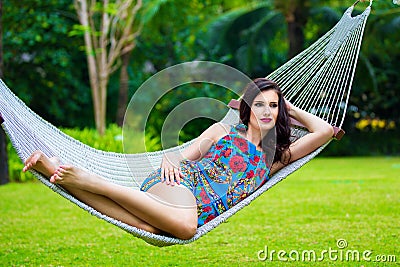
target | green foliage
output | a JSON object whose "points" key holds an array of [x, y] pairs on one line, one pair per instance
{"points": [[251, 38], [110, 141], [15, 166], [376, 86], [44, 66], [356, 143], [179, 95]]}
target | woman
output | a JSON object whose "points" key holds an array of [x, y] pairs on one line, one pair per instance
{"points": [[222, 166]]}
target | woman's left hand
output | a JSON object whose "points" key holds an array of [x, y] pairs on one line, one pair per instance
{"points": [[170, 169]]}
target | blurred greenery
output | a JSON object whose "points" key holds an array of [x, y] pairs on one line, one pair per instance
{"points": [[45, 65]]}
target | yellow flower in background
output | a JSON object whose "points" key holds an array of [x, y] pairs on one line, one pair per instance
{"points": [[362, 124], [374, 123]]}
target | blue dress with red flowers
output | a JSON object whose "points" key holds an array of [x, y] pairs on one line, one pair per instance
{"points": [[230, 171]]}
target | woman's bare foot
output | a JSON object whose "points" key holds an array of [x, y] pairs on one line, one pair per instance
{"points": [[76, 177], [41, 163]]}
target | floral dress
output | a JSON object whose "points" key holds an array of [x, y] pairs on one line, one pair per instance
{"points": [[230, 171]]}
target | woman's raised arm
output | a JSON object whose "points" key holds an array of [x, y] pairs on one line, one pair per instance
{"points": [[320, 133]]}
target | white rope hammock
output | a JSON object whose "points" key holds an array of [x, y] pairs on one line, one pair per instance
{"points": [[317, 80]]}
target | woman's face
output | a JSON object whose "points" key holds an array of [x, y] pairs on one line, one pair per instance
{"points": [[264, 111]]}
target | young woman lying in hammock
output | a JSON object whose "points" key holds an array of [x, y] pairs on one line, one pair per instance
{"points": [[223, 166]]}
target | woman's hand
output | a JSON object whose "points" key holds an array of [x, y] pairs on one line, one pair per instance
{"points": [[289, 106], [170, 165], [170, 168]]}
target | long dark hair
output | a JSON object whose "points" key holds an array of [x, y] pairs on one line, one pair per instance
{"points": [[282, 125]]}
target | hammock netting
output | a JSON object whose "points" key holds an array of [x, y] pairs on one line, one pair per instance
{"points": [[317, 80]]}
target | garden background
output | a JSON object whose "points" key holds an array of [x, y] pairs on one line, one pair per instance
{"points": [[44, 60]]}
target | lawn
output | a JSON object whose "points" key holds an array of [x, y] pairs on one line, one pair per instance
{"points": [[330, 202]]}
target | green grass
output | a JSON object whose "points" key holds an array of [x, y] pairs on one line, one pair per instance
{"points": [[356, 199]]}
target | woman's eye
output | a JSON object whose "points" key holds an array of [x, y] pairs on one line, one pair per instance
{"points": [[274, 105], [258, 104]]}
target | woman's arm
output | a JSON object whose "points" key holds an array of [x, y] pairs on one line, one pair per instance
{"points": [[320, 133], [170, 165]]}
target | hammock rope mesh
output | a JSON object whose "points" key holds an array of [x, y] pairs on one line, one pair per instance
{"points": [[317, 80]]}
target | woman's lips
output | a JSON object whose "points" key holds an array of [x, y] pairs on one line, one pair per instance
{"points": [[266, 120]]}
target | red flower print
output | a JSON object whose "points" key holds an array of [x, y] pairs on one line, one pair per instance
{"points": [[261, 173], [264, 158], [207, 209], [250, 174], [237, 164], [227, 152], [204, 198], [254, 160], [209, 218], [241, 143], [218, 147]]}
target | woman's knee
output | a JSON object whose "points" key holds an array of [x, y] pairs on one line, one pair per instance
{"points": [[185, 226], [186, 230]]}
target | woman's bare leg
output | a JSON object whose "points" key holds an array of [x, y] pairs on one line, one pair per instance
{"points": [[47, 166], [110, 208], [178, 219], [149, 211]]}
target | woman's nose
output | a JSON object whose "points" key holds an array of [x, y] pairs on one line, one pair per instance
{"points": [[267, 111]]}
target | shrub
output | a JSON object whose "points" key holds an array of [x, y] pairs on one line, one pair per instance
{"points": [[361, 143]]}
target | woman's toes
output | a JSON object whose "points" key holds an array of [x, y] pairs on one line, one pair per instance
{"points": [[59, 173], [25, 168], [55, 178], [66, 168]]}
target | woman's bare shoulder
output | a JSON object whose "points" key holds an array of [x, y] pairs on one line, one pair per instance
{"points": [[221, 127], [217, 130]]}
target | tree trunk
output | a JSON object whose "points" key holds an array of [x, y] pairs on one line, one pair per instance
{"points": [[82, 10], [105, 43], [102, 111], [296, 20], [123, 88], [4, 176]]}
